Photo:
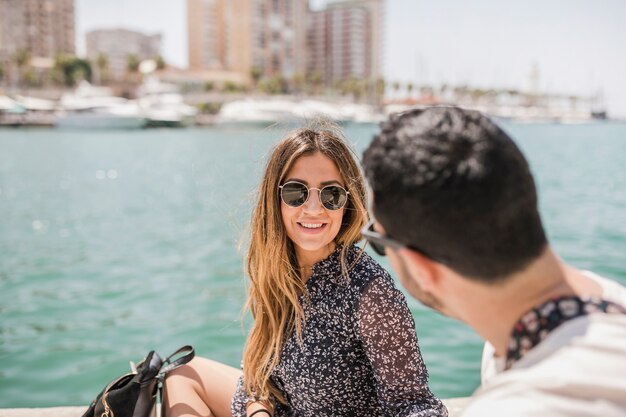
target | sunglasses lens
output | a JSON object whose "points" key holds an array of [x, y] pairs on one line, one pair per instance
{"points": [[378, 248], [294, 194], [333, 197]]}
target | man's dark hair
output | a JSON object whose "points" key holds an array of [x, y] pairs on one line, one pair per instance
{"points": [[449, 183]]}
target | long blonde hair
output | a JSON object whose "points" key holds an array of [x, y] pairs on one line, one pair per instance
{"points": [[275, 282]]}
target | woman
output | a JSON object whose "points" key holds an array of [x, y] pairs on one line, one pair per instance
{"points": [[331, 334]]}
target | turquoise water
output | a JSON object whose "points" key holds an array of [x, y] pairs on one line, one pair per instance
{"points": [[115, 243]]}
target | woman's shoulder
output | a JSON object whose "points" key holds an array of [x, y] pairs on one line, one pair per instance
{"points": [[365, 270]]}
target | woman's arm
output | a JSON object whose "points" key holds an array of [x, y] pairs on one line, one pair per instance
{"points": [[244, 405], [387, 331]]}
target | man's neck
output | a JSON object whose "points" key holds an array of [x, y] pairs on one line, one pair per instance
{"points": [[504, 304]]}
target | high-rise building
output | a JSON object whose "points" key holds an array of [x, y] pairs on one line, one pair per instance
{"points": [[205, 31], [117, 45], [284, 37], [239, 35], [317, 45], [345, 40], [279, 37], [42, 28]]}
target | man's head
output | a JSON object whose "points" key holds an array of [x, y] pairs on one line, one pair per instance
{"points": [[450, 184]]}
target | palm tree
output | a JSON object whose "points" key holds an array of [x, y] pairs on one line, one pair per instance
{"points": [[231, 87], [70, 69], [102, 63], [409, 89], [315, 80], [354, 86], [273, 85], [30, 78], [21, 58], [298, 82], [132, 65], [255, 74], [160, 62], [396, 86]]}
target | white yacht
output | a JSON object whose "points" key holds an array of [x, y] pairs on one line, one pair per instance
{"points": [[163, 105], [309, 109], [269, 111], [255, 112], [91, 107]]}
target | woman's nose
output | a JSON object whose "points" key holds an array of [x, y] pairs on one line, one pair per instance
{"points": [[313, 204]]}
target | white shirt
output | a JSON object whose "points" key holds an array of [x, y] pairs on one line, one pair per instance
{"points": [[611, 291], [578, 370]]}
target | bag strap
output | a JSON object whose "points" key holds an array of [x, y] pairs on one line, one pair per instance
{"points": [[169, 365]]}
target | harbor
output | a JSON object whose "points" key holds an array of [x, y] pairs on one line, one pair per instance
{"points": [[155, 103]]}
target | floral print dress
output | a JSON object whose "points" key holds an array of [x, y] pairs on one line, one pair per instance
{"points": [[359, 354]]}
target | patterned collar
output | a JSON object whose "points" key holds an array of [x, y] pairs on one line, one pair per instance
{"points": [[329, 265], [539, 322]]}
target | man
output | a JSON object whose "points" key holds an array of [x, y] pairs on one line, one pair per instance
{"points": [[456, 211]]}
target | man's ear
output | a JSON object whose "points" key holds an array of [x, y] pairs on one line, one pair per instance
{"points": [[422, 268]]}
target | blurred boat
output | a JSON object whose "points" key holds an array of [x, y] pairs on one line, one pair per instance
{"points": [[91, 107], [26, 111], [163, 105], [255, 112], [265, 112]]}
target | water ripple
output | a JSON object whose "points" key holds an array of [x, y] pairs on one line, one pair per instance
{"points": [[116, 243]]}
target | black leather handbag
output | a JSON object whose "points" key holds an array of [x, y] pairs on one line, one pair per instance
{"points": [[135, 394]]}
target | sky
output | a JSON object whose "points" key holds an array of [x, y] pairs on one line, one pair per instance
{"points": [[578, 46]]}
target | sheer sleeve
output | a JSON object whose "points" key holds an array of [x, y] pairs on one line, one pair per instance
{"points": [[387, 331], [239, 401], [241, 398]]}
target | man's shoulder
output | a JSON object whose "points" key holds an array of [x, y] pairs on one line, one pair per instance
{"points": [[511, 402], [531, 403], [517, 399], [580, 369], [611, 289]]}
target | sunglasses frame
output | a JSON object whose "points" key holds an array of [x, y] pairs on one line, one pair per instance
{"points": [[308, 194], [378, 242]]}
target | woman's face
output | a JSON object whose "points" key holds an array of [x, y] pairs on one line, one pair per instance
{"points": [[311, 227]]}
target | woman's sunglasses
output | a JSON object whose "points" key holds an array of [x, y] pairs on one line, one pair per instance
{"points": [[295, 194]]}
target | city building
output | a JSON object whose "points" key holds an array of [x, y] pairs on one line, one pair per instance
{"points": [[285, 38], [118, 45], [205, 32], [279, 37], [37, 30], [345, 40], [241, 35]]}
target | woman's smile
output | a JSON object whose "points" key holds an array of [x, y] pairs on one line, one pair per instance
{"points": [[312, 227]]}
